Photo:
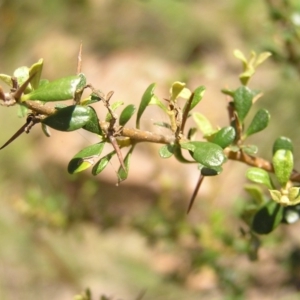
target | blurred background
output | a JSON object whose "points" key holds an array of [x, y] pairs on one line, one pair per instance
{"points": [[62, 233]]}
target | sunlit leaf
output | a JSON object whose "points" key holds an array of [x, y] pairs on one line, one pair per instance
{"points": [[69, 118], [85, 158], [58, 90], [283, 163], [267, 218], [197, 97], [242, 99], [208, 154], [224, 137], [261, 176], [7, 79], [146, 98], [92, 125], [36, 69], [259, 122], [126, 114], [102, 163], [203, 123], [113, 107], [178, 90]]}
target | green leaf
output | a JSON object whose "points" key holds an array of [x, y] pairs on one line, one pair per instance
{"points": [[156, 101], [256, 193], [102, 163], [123, 174], [261, 176], [208, 154], [267, 218], [92, 124], [7, 79], [249, 149], [22, 75], [259, 122], [85, 158], [283, 143], [22, 111], [126, 114], [166, 151], [146, 98], [210, 171], [203, 123], [242, 99], [69, 118], [36, 69], [224, 137], [283, 163], [58, 90], [113, 107], [197, 96]]}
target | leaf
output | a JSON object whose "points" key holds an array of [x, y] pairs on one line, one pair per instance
{"points": [[92, 124], [259, 122], [178, 89], [22, 75], [156, 101], [210, 171], [146, 98], [261, 176], [123, 174], [166, 151], [197, 97], [283, 143], [7, 79], [262, 57], [102, 163], [267, 218], [203, 123], [242, 99], [283, 163], [208, 154], [256, 193], [249, 149], [224, 137], [113, 107], [69, 118], [36, 69], [58, 90], [85, 158], [126, 114]]}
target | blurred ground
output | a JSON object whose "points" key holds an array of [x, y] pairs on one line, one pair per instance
{"points": [[62, 233]]}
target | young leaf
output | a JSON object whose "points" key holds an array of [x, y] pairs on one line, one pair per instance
{"points": [[126, 114], [7, 79], [242, 99], [197, 97], [148, 94], [178, 89], [58, 90], [208, 154], [203, 124], [114, 106], [259, 122], [85, 158], [267, 218], [283, 143], [224, 137], [69, 118], [166, 151], [102, 163], [261, 176], [36, 69], [283, 163]]}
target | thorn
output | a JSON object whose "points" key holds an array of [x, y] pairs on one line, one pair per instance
{"points": [[79, 59], [196, 190], [18, 93]]}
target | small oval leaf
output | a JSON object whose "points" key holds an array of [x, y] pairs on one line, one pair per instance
{"points": [[242, 100], [123, 174], [102, 163], [267, 218], [224, 137], [146, 98], [260, 176], [283, 163], [208, 154], [126, 114], [260, 121], [69, 118], [85, 158]]}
